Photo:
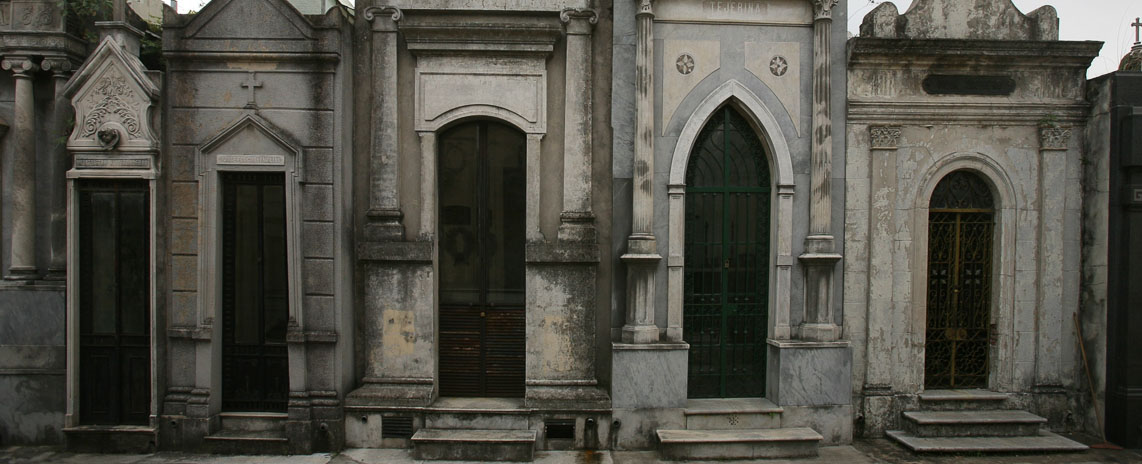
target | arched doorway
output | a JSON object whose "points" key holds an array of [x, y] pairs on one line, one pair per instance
{"points": [[961, 226], [726, 270], [483, 193]]}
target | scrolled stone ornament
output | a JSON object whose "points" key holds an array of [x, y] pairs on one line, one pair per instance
{"points": [[372, 12], [585, 13]]}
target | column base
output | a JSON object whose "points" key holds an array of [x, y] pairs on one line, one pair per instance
{"points": [[577, 226], [56, 274], [22, 273], [819, 332], [384, 225], [640, 334]]}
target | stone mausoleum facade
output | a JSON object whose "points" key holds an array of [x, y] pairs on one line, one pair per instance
{"points": [[481, 229]]}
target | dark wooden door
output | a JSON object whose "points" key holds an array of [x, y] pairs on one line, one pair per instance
{"points": [[255, 293], [482, 202], [114, 302], [961, 226], [726, 269]]}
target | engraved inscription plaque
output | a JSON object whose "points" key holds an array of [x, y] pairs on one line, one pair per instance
{"points": [[252, 160]]}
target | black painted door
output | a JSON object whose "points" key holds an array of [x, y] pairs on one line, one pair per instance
{"points": [[483, 192], [961, 225], [114, 302], [255, 293], [726, 269]]}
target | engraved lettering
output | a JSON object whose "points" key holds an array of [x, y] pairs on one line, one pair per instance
{"points": [[256, 160], [1138, 195], [723, 9], [97, 163]]}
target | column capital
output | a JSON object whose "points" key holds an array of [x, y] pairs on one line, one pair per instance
{"points": [[579, 21], [1054, 137], [645, 7], [19, 65], [376, 15], [823, 9], [884, 137], [58, 66]]}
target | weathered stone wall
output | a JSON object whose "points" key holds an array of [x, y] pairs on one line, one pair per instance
{"points": [[32, 362], [1096, 164]]}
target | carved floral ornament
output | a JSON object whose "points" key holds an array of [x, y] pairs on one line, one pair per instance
{"points": [[823, 9], [884, 137], [1054, 138], [111, 111]]}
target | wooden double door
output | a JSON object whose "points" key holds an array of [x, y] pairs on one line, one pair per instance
{"points": [[255, 293], [114, 302], [483, 193]]}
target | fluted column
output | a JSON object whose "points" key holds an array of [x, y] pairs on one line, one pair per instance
{"points": [[61, 69], [642, 256], [820, 257], [577, 222], [23, 183], [384, 214]]}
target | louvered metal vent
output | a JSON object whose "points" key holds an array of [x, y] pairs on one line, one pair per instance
{"points": [[560, 429], [396, 427]]}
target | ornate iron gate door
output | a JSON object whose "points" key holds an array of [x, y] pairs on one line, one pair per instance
{"points": [[483, 194], [255, 296], [114, 302], [961, 225], [726, 300]]}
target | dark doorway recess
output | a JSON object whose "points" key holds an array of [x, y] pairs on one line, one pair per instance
{"points": [[114, 302], [726, 270], [482, 202], [961, 226], [255, 293]]}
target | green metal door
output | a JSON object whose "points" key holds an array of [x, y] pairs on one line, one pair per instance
{"points": [[726, 299]]}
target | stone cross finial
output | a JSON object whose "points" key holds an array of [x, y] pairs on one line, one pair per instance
{"points": [[252, 84], [1137, 31]]}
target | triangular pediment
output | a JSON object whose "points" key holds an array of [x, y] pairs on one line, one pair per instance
{"points": [[113, 99], [249, 19], [254, 138]]}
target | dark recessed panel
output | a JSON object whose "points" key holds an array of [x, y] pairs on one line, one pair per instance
{"points": [[950, 84]]}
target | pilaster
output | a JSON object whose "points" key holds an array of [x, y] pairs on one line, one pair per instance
{"points": [[62, 112], [23, 181], [820, 257], [1050, 318], [384, 213], [577, 222], [882, 334]]}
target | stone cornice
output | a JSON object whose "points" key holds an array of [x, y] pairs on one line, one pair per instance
{"points": [[863, 48]]}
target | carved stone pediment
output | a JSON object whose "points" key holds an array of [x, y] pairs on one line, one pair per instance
{"points": [[249, 19], [113, 100], [251, 142]]}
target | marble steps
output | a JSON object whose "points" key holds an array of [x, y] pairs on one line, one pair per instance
{"points": [[794, 442], [476, 419], [1043, 442], [962, 400], [474, 444], [245, 442], [249, 433], [987, 423], [732, 414]]}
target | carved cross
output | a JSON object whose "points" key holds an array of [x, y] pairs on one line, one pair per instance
{"points": [[1137, 30], [253, 84]]}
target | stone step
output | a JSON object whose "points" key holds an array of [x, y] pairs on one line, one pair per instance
{"points": [[958, 400], [987, 423], [247, 442], [1044, 442], [127, 439], [253, 421], [474, 445], [732, 414], [738, 444], [477, 414]]}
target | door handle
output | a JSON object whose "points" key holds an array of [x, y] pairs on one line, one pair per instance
{"points": [[726, 263]]}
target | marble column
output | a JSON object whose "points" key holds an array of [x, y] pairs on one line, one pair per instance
{"points": [[62, 112], [384, 214], [642, 256], [1050, 317], [820, 256], [23, 182], [577, 222]]}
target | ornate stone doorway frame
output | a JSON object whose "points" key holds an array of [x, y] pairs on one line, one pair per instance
{"points": [[781, 230]]}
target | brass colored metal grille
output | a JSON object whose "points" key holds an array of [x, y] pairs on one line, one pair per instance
{"points": [[726, 301], [961, 226]]}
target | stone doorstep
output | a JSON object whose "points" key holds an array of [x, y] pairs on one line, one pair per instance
{"points": [[696, 407], [470, 444], [253, 421], [474, 436], [738, 444], [247, 442], [973, 417], [962, 395], [1045, 442], [111, 438]]}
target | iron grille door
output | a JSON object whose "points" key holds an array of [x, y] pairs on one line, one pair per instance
{"points": [[481, 261], [726, 272], [114, 302], [255, 296], [961, 227]]}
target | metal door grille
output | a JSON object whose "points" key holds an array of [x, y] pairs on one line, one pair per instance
{"points": [[961, 226], [726, 273]]}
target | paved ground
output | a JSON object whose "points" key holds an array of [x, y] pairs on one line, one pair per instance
{"points": [[861, 452]]}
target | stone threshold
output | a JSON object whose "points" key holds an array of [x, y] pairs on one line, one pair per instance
{"points": [[973, 417], [1045, 442], [962, 395], [712, 406]]}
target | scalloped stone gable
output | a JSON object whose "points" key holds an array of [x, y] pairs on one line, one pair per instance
{"points": [[961, 19]]}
